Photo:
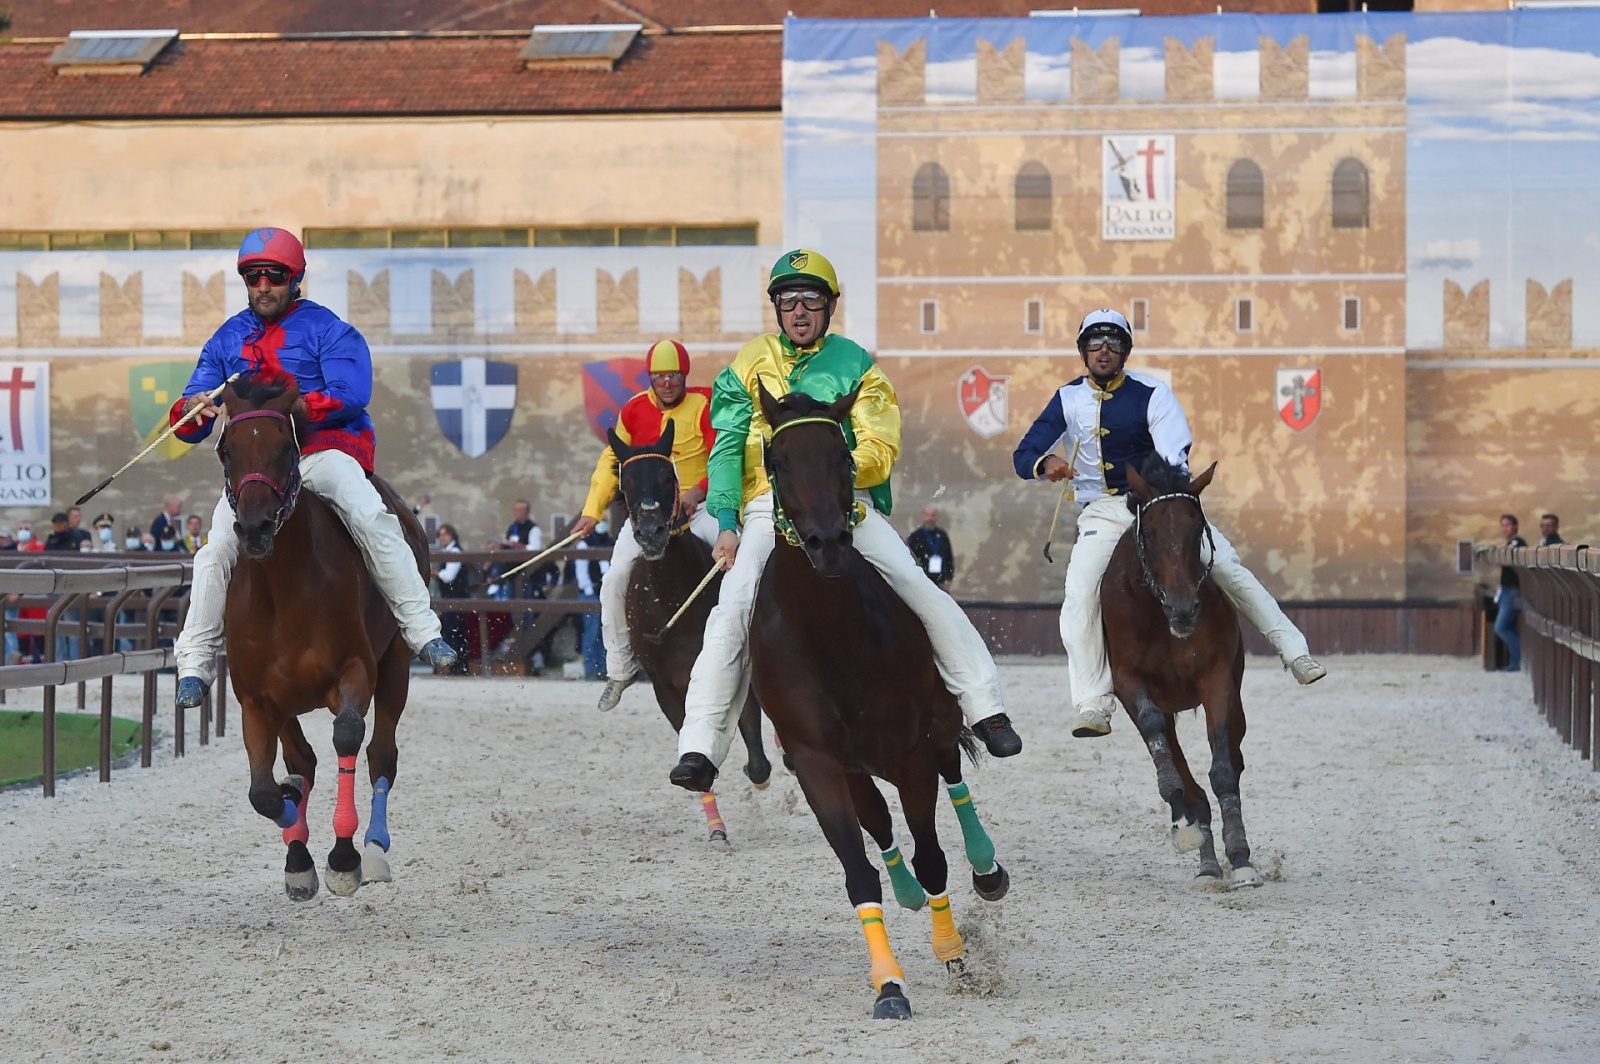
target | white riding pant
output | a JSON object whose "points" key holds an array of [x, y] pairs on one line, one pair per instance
{"points": [[338, 480], [721, 673], [614, 593], [1100, 529]]}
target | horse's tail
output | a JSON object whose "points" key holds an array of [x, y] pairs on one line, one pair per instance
{"points": [[968, 742]]}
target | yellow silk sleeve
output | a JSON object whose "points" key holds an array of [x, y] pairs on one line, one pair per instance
{"points": [[875, 418]]}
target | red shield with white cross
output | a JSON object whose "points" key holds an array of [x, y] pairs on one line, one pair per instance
{"points": [[1298, 396], [982, 396]]}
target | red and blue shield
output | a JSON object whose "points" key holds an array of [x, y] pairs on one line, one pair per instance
{"points": [[609, 384]]}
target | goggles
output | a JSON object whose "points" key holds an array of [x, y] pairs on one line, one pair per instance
{"points": [[1115, 344], [811, 300], [276, 276]]}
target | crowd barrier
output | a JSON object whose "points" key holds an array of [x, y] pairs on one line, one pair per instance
{"points": [[1560, 629]]}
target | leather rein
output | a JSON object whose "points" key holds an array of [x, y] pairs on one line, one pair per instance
{"points": [[1138, 541], [287, 493]]}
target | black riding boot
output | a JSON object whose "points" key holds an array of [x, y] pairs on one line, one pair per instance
{"points": [[998, 735], [694, 772]]}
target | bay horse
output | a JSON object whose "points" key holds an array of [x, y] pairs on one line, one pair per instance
{"points": [[846, 672], [1174, 644], [306, 628], [671, 564]]}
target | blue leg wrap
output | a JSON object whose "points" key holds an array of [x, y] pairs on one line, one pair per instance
{"points": [[378, 824], [290, 814]]}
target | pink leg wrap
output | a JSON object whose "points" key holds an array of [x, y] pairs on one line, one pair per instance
{"points": [[301, 832], [713, 817], [345, 819]]}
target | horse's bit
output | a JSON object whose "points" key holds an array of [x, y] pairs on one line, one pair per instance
{"points": [[679, 521], [1138, 541], [287, 494], [780, 520]]}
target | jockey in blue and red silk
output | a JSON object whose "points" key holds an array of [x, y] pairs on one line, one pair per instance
{"points": [[281, 332]]}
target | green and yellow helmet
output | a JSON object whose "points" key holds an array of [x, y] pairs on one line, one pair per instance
{"points": [[795, 268]]}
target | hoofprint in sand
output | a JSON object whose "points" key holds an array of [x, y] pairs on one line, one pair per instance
{"points": [[1430, 848]]}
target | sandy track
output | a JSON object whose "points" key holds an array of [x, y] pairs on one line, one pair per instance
{"points": [[1432, 850]]}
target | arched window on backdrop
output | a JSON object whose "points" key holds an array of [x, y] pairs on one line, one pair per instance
{"points": [[1350, 195], [930, 199], [1247, 196], [1033, 190]]}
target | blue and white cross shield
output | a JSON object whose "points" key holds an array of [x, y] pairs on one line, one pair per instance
{"points": [[474, 400]]}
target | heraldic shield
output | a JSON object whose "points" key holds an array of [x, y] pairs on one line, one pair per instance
{"points": [[984, 403], [474, 400], [1298, 396], [609, 384], [152, 389]]}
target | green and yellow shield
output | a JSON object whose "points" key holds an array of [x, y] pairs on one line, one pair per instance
{"points": [[152, 389]]}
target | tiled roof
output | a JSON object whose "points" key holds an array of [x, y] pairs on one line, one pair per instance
{"points": [[430, 76]]}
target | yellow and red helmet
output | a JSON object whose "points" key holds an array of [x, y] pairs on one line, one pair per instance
{"points": [[668, 356]]}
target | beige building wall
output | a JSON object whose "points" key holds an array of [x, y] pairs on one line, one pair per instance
{"points": [[402, 172]]}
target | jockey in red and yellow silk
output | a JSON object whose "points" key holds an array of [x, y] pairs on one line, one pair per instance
{"points": [[640, 423], [283, 333]]}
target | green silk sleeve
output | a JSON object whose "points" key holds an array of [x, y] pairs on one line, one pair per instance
{"points": [[730, 415]]}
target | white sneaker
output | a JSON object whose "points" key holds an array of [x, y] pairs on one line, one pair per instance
{"points": [[1306, 669], [613, 692], [1094, 720]]}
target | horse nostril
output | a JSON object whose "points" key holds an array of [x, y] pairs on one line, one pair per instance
{"points": [[813, 542]]}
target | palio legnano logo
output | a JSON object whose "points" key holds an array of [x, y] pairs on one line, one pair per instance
{"points": [[25, 434], [1136, 192]]}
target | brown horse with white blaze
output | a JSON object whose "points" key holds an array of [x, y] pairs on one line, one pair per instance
{"points": [[1174, 644], [307, 628]]}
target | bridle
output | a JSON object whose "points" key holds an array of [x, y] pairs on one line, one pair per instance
{"points": [[1138, 542], [287, 493], [679, 522], [780, 520]]}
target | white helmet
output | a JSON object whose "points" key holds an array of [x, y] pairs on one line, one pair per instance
{"points": [[1105, 322]]}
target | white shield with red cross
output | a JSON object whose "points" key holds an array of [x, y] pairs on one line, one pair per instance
{"points": [[25, 434], [982, 396], [1297, 394]]}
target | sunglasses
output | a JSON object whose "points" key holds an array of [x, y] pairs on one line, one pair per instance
{"points": [[1102, 343], [810, 300], [276, 276]]}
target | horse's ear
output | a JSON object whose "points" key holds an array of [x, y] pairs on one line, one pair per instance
{"points": [[769, 406], [839, 409], [664, 445], [1136, 483], [1203, 481], [618, 448]]}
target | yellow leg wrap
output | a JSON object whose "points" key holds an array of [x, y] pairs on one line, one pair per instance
{"points": [[947, 944], [884, 967]]}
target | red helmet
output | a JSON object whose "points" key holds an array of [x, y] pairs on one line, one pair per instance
{"points": [[277, 246], [668, 356]]}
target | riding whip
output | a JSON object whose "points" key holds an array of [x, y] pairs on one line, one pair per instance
{"points": [[705, 580], [98, 488], [541, 555], [1066, 489]]}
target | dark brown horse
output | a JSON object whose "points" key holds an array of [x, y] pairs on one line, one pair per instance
{"points": [[1174, 644], [671, 565], [846, 672], [307, 628]]}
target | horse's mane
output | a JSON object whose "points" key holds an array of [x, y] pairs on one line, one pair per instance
{"points": [[1163, 477], [262, 386], [801, 404]]}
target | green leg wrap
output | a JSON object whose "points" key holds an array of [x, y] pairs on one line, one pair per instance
{"points": [[907, 891], [980, 848]]}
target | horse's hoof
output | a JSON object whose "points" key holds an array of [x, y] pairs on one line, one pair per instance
{"points": [[375, 865], [891, 1004], [718, 840], [1187, 837], [344, 884], [1243, 876], [760, 777], [300, 886], [993, 886]]}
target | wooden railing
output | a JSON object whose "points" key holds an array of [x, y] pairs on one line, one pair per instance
{"points": [[1560, 629]]}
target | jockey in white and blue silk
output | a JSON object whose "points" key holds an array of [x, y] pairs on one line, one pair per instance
{"points": [[282, 332], [1116, 418]]}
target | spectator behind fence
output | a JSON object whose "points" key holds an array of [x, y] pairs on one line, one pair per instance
{"points": [[1550, 531], [132, 540], [524, 532], [167, 518], [8, 542], [930, 546], [455, 581], [1508, 600], [170, 541], [588, 575], [194, 533], [80, 535], [105, 533], [26, 540], [61, 537]]}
